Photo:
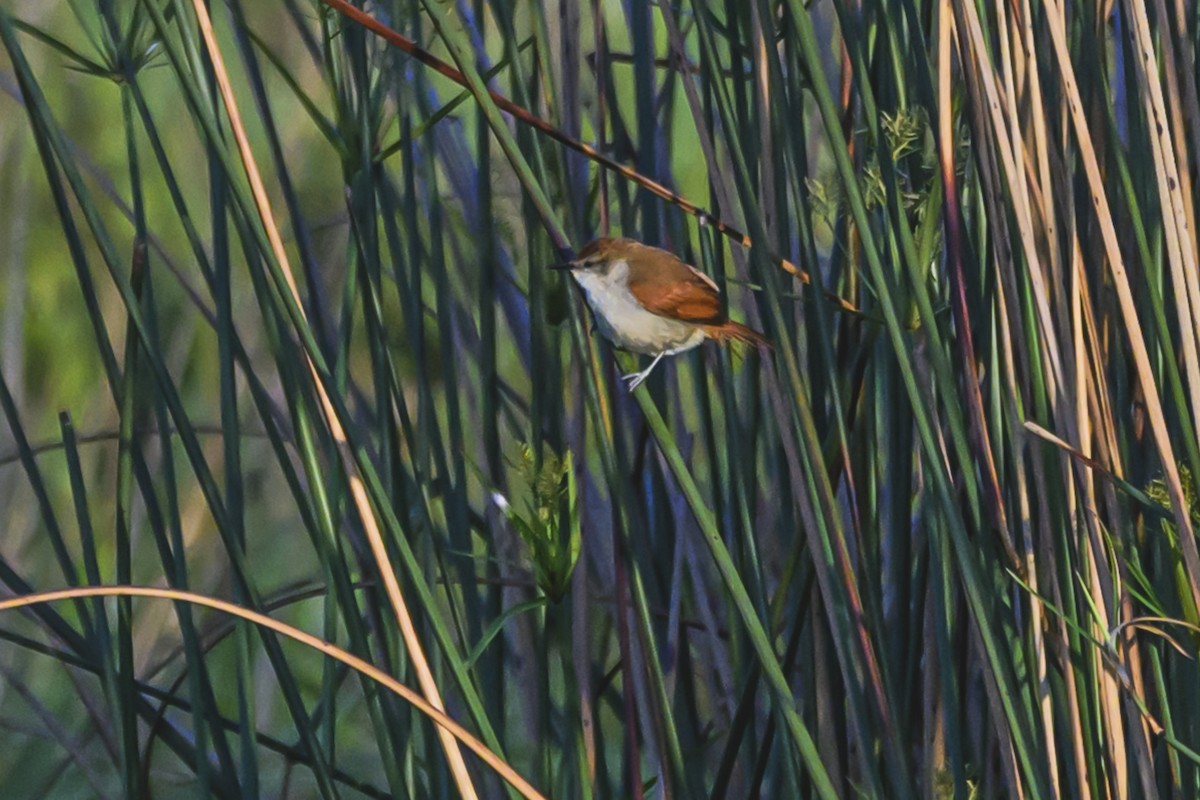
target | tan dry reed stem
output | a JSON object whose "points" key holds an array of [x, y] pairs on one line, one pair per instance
{"points": [[416, 653], [439, 717]]}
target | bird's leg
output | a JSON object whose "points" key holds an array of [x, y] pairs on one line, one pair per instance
{"points": [[635, 379]]}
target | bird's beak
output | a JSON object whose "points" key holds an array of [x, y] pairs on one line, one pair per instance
{"points": [[565, 265]]}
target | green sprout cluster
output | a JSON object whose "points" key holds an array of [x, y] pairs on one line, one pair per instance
{"points": [[549, 527]]}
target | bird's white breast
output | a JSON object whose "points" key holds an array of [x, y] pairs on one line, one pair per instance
{"points": [[625, 322]]}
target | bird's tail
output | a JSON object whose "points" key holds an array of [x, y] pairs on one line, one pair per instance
{"points": [[730, 330]]}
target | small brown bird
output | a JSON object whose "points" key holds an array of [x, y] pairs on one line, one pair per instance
{"points": [[648, 301]]}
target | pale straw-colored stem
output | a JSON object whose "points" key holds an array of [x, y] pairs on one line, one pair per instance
{"points": [[429, 688], [438, 716]]}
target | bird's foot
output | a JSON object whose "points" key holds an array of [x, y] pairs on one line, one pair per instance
{"points": [[635, 378]]}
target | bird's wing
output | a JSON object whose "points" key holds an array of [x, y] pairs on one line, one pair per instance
{"points": [[681, 292]]}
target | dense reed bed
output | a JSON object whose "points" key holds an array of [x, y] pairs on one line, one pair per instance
{"points": [[278, 346]]}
